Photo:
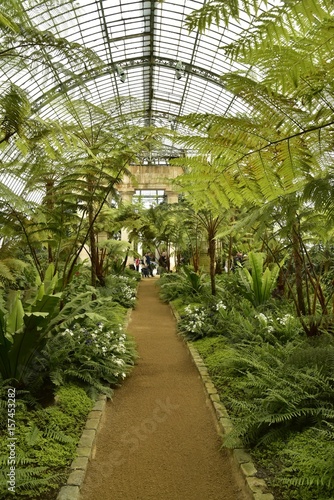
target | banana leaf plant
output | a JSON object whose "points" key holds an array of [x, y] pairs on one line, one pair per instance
{"points": [[23, 334]]}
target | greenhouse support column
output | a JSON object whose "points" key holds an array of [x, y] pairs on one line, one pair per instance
{"points": [[172, 197]]}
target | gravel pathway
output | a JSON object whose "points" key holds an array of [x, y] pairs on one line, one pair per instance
{"points": [[157, 439]]}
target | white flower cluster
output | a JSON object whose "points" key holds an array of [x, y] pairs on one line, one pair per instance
{"points": [[124, 288], [195, 320], [265, 321], [126, 279], [268, 322], [67, 332], [128, 292], [100, 341], [220, 305], [286, 319]]}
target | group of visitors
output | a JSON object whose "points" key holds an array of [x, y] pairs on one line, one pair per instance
{"points": [[148, 266]]}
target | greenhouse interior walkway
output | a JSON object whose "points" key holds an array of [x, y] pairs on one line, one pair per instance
{"points": [[157, 439]]}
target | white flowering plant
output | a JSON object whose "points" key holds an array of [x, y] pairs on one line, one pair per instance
{"points": [[99, 356], [201, 320], [277, 325], [240, 323], [121, 289]]}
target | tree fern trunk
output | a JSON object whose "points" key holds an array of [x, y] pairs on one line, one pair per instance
{"points": [[93, 249], [229, 259], [49, 200], [195, 256], [212, 255], [92, 241], [296, 252]]}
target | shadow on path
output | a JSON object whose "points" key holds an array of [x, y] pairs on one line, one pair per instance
{"points": [[157, 440]]}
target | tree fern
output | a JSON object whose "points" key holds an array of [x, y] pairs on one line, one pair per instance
{"points": [[215, 11], [280, 141]]}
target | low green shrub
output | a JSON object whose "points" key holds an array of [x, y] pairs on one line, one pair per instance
{"points": [[95, 357], [308, 464], [215, 351], [121, 289], [300, 466], [73, 401], [186, 284]]}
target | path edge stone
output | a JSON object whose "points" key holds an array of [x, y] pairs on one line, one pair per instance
{"points": [[256, 487], [86, 445]]}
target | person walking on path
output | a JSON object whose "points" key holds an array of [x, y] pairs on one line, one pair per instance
{"points": [[147, 260]]}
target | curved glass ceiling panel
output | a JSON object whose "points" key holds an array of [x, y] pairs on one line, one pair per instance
{"points": [[148, 61], [145, 40]]}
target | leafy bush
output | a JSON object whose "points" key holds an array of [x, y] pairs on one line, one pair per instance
{"points": [[241, 323], [23, 333], [195, 322], [308, 464], [257, 285], [130, 273], [93, 356], [121, 289], [300, 466], [185, 283], [277, 396], [73, 401], [79, 283], [25, 328]]}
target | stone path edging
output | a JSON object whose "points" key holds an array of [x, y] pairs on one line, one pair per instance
{"points": [[85, 450], [85, 447], [257, 487]]}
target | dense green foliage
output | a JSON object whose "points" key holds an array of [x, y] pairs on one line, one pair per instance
{"points": [[276, 382], [260, 183], [46, 443]]}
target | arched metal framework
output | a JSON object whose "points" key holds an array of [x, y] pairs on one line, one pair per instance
{"points": [[148, 41], [145, 52]]}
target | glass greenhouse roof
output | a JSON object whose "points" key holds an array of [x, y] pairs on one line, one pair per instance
{"points": [[144, 50], [147, 60]]}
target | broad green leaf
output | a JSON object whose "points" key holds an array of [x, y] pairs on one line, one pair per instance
{"points": [[15, 317]]}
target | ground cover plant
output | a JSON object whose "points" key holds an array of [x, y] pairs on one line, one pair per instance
{"points": [[46, 443], [276, 382]]}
